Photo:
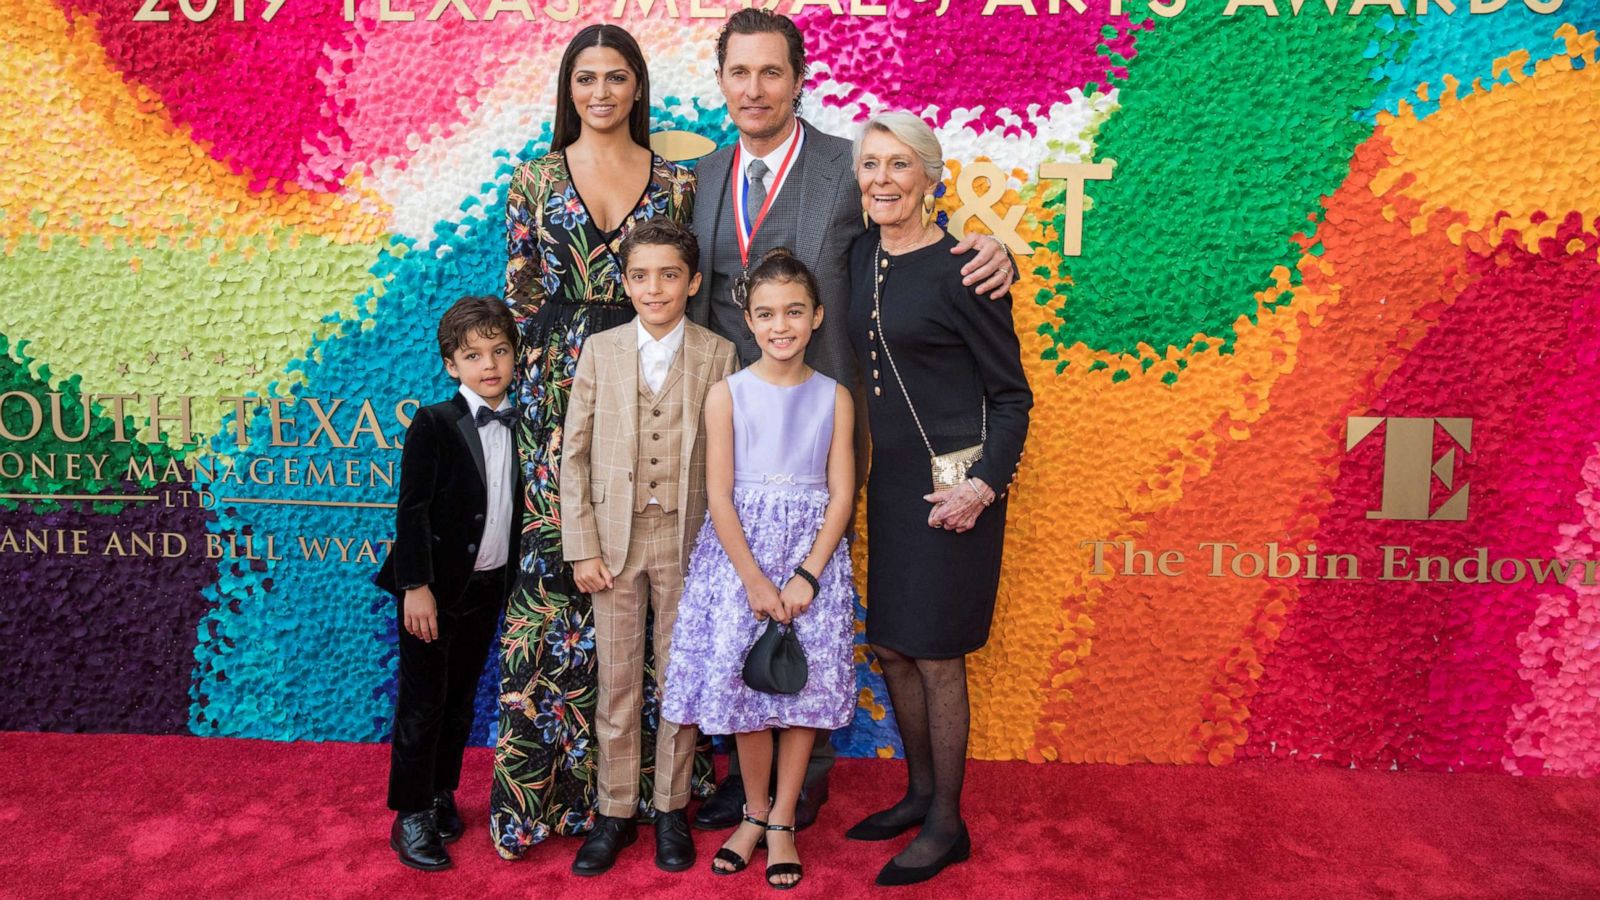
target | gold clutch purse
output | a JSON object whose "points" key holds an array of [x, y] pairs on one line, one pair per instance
{"points": [[949, 469]]}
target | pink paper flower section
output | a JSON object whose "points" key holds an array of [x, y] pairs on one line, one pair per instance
{"points": [[1557, 731], [915, 59]]}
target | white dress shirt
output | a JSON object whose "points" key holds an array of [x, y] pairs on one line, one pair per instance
{"points": [[494, 546], [774, 161], [655, 357]]}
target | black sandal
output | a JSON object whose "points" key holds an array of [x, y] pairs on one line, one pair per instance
{"points": [[733, 859], [775, 869]]}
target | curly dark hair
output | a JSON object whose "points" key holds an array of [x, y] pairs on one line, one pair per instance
{"points": [[754, 20], [488, 316]]}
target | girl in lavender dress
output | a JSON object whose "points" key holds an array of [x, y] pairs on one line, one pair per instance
{"points": [[780, 478]]}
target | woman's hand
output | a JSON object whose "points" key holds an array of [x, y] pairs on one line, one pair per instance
{"points": [[766, 602], [796, 596], [957, 509]]}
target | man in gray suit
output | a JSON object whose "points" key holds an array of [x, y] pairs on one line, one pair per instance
{"points": [[795, 187]]}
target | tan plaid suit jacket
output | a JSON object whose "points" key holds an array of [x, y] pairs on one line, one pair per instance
{"points": [[600, 441]]}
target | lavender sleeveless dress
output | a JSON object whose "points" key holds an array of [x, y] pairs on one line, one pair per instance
{"points": [[781, 437]]}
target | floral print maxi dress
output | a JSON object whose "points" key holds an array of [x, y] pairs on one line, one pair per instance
{"points": [[564, 282]]}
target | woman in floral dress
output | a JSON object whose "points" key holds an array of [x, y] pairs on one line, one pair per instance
{"points": [[564, 282]]}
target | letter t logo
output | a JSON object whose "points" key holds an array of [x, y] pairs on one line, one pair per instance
{"points": [[1409, 465]]}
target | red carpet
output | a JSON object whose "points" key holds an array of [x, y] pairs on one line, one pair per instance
{"points": [[172, 817]]}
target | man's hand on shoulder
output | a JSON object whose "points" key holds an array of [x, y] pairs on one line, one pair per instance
{"points": [[991, 270]]}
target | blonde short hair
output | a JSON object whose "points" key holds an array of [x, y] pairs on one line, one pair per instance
{"points": [[910, 130]]}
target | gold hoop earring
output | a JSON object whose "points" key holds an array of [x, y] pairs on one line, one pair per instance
{"points": [[927, 208]]}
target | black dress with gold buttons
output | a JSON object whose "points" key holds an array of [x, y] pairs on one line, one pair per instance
{"points": [[931, 592]]}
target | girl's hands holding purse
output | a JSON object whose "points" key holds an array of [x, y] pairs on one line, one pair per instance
{"points": [[796, 596], [766, 602]]}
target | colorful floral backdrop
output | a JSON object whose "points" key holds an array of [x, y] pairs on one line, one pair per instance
{"points": [[1311, 217]]}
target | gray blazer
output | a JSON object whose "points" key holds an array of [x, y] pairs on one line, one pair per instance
{"points": [[831, 221]]}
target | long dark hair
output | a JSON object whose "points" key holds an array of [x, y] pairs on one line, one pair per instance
{"points": [[568, 125]]}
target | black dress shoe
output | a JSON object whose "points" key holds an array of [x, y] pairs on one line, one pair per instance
{"points": [[674, 846], [894, 875], [447, 817], [724, 807], [600, 848], [812, 796], [415, 838]]}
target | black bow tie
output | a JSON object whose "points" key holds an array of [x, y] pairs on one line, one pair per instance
{"points": [[506, 417]]}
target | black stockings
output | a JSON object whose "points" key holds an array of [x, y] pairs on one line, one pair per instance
{"points": [[930, 705]]}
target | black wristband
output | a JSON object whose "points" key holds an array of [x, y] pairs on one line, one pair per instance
{"points": [[816, 586]]}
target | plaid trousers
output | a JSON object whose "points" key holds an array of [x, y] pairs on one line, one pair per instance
{"points": [[652, 578]]}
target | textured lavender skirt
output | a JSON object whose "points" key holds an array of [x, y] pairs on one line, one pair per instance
{"points": [[715, 626]]}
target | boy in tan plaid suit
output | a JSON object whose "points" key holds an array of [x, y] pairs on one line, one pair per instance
{"points": [[632, 500]]}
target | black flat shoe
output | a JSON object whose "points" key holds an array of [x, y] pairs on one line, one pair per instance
{"points": [[812, 796], [777, 869], [737, 862], [723, 808], [867, 830], [447, 817], [415, 838], [674, 846], [600, 849], [894, 875]]}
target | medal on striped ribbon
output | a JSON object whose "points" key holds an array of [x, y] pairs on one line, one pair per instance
{"points": [[744, 228]]}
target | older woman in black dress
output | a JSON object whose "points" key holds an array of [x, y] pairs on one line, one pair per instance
{"points": [[943, 374]]}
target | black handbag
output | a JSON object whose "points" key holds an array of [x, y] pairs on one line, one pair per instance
{"points": [[776, 663]]}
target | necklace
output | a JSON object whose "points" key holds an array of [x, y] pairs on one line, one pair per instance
{"points": [[880, 272], [929, 236]]}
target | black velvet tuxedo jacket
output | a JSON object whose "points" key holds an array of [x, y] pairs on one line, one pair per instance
{"points": [[443, 503]]}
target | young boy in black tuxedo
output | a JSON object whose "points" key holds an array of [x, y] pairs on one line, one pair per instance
{"points": [[452, 566]]}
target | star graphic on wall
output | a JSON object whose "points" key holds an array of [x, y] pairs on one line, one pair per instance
{"points": [[122, 368], [185, 353], [252, 370], [220, 358], [152, 357]]}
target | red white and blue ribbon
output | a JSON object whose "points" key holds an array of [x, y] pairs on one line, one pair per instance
{"points": [[744, 229]]}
